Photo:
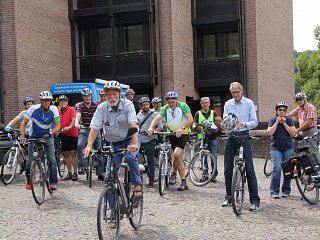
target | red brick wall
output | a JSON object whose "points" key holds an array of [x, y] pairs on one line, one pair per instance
{"points": [[36, 49]]}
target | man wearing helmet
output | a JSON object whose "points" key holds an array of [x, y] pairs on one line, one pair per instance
{"points": [[145, 118], [28, 102], [85, 111], [130, 95], [69, 137], [42, 115], [206, 114], [103, 95], [156, 103], [307, 116], [179, 119], [244, 109], [116, 116]]}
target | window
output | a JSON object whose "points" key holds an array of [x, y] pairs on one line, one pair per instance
{"points": [[230, 43], [208, 47], [104, 41], [87, 42], [96, 41], [131, 38]]}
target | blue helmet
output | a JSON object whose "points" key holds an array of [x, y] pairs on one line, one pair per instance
{"points": [[28, 99], [86, 92], [171, 95]]}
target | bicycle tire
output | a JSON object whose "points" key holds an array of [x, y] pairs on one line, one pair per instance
{"points": [[62, 165], [90, 166], [143, 160], [186, 155], [237, 189], [106, 216], [196, 168], [162, 175], [37, 182], [309, 190], [9, 166], [136, 213], [268, 166]]}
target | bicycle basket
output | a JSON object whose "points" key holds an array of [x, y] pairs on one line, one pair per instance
{"points": [[310, 163]]}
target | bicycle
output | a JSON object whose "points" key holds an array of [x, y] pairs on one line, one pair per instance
{"points": [[189, 151], [165, 163], [116, 199], [268, 166], [10, 160], [39, 169], [239, 177], [58, 151]]}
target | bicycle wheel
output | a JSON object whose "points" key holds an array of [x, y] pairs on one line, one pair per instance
{"points": [[136, 214], [162, 175], [9, 166], [37, 182], [169, 171], [308, 189], [268, 166], [47, 176], [202, 167], [186, 158], [90, 166], [143, 160], [108, 214], [62, 166], [237, 190]]}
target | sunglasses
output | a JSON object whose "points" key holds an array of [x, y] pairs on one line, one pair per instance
{"points": [[299, 99], [282, 109]]}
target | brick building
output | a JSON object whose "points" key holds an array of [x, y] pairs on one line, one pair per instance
{"points": [[195, 47]]}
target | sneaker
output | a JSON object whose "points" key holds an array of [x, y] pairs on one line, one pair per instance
{"points": [[285, 195], [28, 186], [254, 207], [74, 177], [101, 177], [69, 176], [183, 186], [53, 187], [150, 184], [81, 171], [275, 195], [227, 202], [173, 179]]}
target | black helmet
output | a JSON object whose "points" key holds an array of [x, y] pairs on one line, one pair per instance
{"points": [[63, 97]]}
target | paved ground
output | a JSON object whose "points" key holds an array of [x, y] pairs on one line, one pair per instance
{"points": [[70, 213]]}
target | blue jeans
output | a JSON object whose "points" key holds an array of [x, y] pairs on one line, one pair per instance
{"points": [[49, 147], [131, 159], [213, 149], [230, 148], [149, 148], [82, 142], [278, 157]]}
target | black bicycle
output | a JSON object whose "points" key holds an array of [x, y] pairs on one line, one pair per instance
{"points": [[58, 151], [268, 166], [117, 199], [39, 169]]}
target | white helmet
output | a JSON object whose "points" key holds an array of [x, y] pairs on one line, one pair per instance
{"points": [[44, 95], [112, 85], [230, 121]]}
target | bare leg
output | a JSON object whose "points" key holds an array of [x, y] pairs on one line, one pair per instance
{"points": [[178, 163], [74, 161]]}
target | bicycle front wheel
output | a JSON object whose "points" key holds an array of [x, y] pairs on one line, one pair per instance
{"points": [[136, 213], [9, 166], [38, 182], [89, 170], [162, 174], [62, 166], [202, 168], [308, 189], [268, 166], [237, 189], [108, 214]]}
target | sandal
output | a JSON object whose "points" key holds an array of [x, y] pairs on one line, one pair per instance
{"points": [[136, 199]]}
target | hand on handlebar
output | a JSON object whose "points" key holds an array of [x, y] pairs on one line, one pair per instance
{"points": [[86, 152], [132, 148], [150, 132]]}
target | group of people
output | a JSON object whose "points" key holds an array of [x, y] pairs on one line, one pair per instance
{"points": [[81, 130]]}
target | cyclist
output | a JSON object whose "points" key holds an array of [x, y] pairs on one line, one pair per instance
{"points": [[69, 137], [28, 102], [145, 118], [179, 119], [130, 95], [156, 103], [281, 147], [42, 115], [206, 114], [85, 111], [244, 109], [307, 116], [116, 116], [103, 96]]}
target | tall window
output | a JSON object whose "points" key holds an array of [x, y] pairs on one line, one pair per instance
{"points": [[95, 41], [208, 47], [230, 43], [132, 38]]}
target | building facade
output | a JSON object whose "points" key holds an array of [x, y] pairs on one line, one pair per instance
{"points": [[195, 47]]}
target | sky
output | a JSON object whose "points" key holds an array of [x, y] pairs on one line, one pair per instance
{"points": [[306, 16]]}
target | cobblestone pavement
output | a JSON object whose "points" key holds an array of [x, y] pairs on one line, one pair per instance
{"points": [[70, 213]]}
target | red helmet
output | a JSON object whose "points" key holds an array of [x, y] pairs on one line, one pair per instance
{"points": [[102, 92]]}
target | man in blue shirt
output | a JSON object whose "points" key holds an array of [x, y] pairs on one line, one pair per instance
{"points": [[244, 109], [42, 115]]}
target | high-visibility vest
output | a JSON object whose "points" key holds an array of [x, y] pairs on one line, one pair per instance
{"points": [[202, 118]]}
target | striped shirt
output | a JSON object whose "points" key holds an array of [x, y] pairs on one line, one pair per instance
{"points": [[115, 124], [41, 121], [304, 113], [86, 113]]}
